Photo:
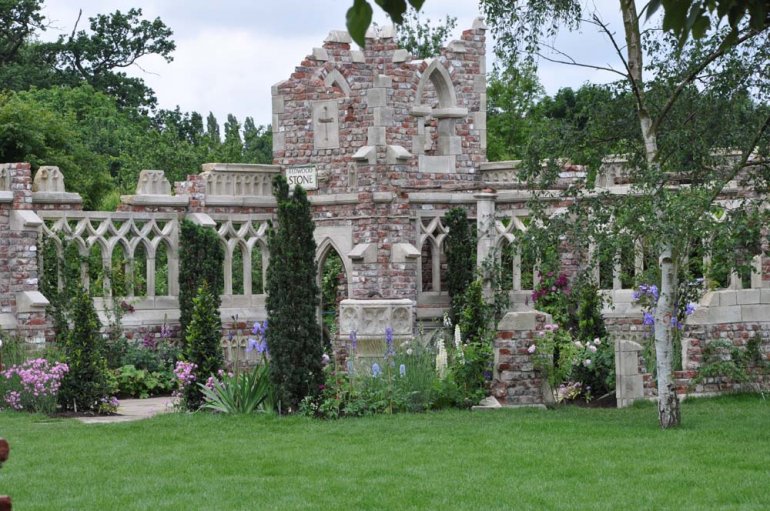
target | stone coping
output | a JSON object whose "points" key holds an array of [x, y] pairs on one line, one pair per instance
{"points": [[56, 198], [156, 200]]}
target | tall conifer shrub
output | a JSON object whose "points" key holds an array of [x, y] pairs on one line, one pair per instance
{"points": [[294, 336], [460, 249], [201, 259], [85, 384], [203, 348]]}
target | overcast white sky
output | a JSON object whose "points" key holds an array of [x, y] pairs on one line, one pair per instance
{"points": [[230, 52]]}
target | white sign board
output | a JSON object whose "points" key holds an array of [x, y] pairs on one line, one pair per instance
{"points": [[305, 176]]}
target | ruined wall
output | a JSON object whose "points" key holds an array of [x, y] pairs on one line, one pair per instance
{"points": [[379, 128]]}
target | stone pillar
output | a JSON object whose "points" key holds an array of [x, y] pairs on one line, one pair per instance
{"points": [[485, 225], [26, 302], [515, 381], [628, 377]]}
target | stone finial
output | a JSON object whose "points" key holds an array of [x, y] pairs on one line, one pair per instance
{"points": [[338, 36], [48, 179], [153, 182], [478, 24], [381, 32]]}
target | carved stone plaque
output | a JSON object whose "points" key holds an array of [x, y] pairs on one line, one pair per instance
{"points": [[326, 125]]}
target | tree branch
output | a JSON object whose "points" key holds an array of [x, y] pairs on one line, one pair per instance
{"points": [[693, 74], [572, 62]]}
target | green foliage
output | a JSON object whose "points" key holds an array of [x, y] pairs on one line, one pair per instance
{"points": [[13, 350], [421, 38], [512, 93], [204, 343], [86, 384], [725, 363], [359, 16], [201, 261], [294, 336], [330, 281], [460, 250], [476, 315], [141, 383], [246, 392], [359, 392], [554, 356]]}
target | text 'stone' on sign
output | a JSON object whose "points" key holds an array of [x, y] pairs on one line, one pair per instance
{"points": [[305, 176]]}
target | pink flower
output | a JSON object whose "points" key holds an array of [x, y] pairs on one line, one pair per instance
{"points": [[587, 362], [532, 349]]}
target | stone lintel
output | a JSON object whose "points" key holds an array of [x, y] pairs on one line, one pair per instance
{"points": [[56, 198], [521, 321], [31, 301], [201, 219], [240, 167], [256, 201], [456, 112], [420, 110], [25, 220], [383, 197], [364, 252], [441, 198], [333, 199], [174, 201]]}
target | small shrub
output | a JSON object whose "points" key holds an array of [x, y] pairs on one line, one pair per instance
{"points": [[202, 260], [141, 383], [32, 385], [86, 384], [246, 392], [203, 348]]}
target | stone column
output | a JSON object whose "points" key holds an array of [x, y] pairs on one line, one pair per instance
{"points": [[485, 225], [26, 301], [628, 378]]}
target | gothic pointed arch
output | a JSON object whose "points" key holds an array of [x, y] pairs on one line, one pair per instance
{"points": [[439, 77]]}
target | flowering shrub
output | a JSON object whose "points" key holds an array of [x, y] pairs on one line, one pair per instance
{"points": [[553, 355], [552, 295], [33, 385], [404, 379]]}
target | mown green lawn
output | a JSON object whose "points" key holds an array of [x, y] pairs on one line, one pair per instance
{"points": [[570, 458]]}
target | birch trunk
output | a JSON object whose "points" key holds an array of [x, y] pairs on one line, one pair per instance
{"points": [[668, 402]]}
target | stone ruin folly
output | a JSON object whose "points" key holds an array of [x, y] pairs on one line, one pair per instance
{"points": [[385, 145]]}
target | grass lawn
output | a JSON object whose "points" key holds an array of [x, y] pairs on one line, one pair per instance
{"points": [[570, 458]]}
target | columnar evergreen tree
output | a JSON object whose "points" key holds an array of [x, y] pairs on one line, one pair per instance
{"points": [[85, 384], [460, 249], [294, 336], [204, 336], [201, 260]]}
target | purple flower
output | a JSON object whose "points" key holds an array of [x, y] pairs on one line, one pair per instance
{"points": [[376, 371], [389, 352], [353, 340], [690, 308], [675, 323], [402, 370], [648, 319]]}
